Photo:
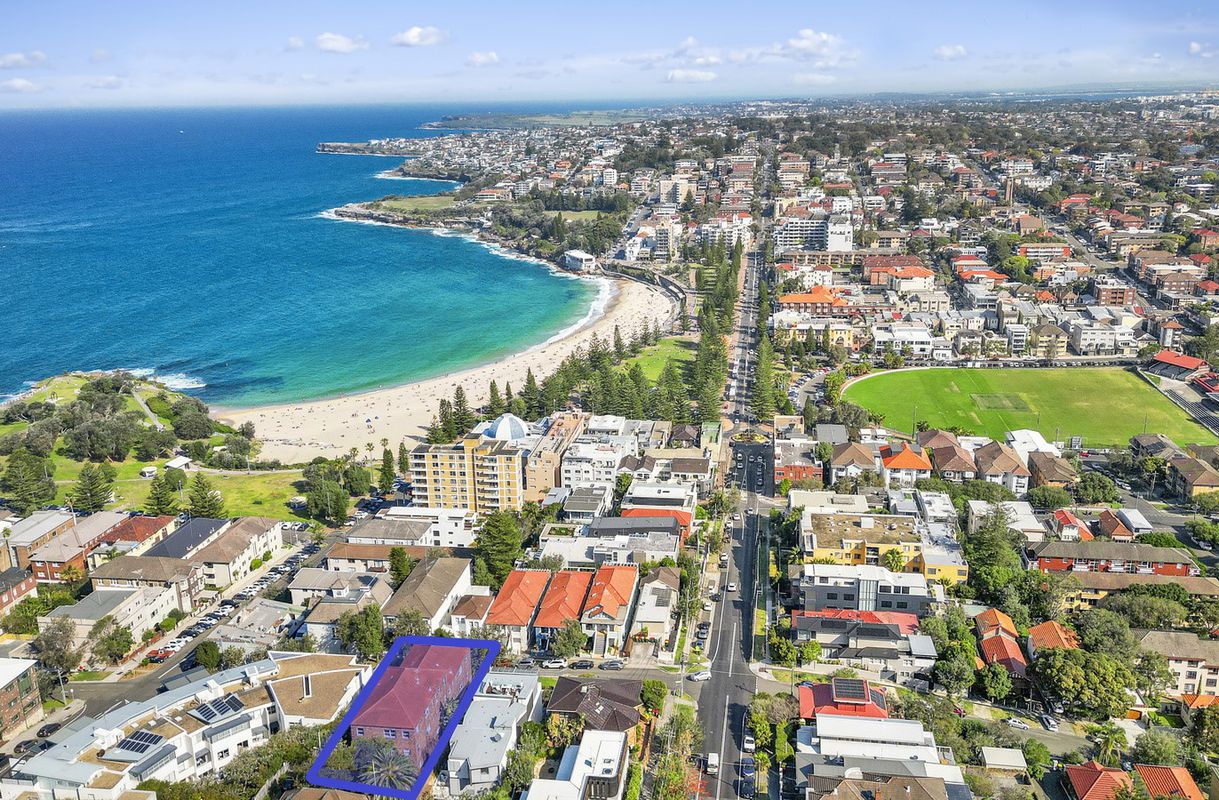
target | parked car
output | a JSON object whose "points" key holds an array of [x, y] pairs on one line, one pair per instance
{"points": [[527, 661], [748, 768], [746, 789], [613, 664], [48, 729], [1018, 724], [581, 663], [554, 663], [748, 745], [1049, 722], [731, 587], [700, 676]]}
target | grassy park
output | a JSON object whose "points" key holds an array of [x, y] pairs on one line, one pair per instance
{"points": [[652, 359], [1104, 406], [423, 202]]}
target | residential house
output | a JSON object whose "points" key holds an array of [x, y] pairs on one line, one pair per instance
{"points": [[850, 460], [651, 499], [1048, 469], [1050, 634], [232, 555], [26, 536], [489, 730], [1069, 527], [1193, 661], [20, 701], [432, 589], [657, 608], [189, 538], [879, 641], [1168, 781], [997, 641], [904, 464], [1107, 556], [1190, 477], [563, 601], [1093, 587], [998, 463], [1094, 781], [864, 587], [137, 610], [184, 578], [516, 604], [15, 585], [1110, 526], [605, 704], [595, 768], [132, 536], [953, 462], [469, 617], [407, 704], [70, 549], [850, 697], [607, 609]]}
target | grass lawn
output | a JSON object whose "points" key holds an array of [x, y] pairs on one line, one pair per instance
{"points": [[653, 359], [257, 494], [423, 202], [1105, 406], [89, 675], [576, 216], [51, 705]]}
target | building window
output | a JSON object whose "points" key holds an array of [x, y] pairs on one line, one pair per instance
{"points": [[359, 731], [390, 733]]}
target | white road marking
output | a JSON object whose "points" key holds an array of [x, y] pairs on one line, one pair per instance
{"points": [[723, 741]]}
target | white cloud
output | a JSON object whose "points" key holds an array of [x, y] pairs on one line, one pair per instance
{"points": [[482, 59], [100, 55], [294, 43], [19, 86], [823, 49], [950, 52], [19, 60], [690, 76], [1201, 50], [813, 79], [418, 36], [338, 43], [106, 82]]}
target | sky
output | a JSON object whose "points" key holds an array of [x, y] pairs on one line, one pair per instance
{"points": [[264, 52]]}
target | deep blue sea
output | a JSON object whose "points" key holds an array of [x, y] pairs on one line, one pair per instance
{"points": [[189, 243]]}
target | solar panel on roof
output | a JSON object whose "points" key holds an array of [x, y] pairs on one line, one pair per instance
{"points": [[216, 709], [140, 742], [849, 689]]}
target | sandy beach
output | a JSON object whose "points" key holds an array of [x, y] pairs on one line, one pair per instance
{"points": [[298, 432]]}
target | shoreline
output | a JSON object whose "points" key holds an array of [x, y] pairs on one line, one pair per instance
{"points": [[297, 432]]}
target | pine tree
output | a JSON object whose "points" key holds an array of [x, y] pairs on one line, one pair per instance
{"points": [[92, 490], [404, 459], [387, 476], [463, 417], [495, 403], [619, 346], [448, 430], [161, 498], [532, 396], [27, 481], [763, 400], [203, 500]]}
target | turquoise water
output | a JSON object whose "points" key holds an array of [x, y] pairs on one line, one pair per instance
{"points": [[189, 243]]}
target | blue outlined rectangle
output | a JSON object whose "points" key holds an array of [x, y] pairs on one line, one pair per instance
{"points": [[315, 776]]}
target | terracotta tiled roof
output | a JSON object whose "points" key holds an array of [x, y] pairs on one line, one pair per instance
{"points": [[1092, 781], [905, 456], [1052, 634], [1171, 782], [612, 590], [518, 597], [1005, 651], [564, 598], [992, 621], [906, 623]]}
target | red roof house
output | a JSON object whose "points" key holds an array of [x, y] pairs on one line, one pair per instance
{"points": [[849, 697], [1093, 781], [1170, 782]]}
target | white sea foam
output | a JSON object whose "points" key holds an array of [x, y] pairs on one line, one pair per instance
{"points": [[178, 381]]}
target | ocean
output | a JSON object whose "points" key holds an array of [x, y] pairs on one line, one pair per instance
{"points": [[189, 244]]}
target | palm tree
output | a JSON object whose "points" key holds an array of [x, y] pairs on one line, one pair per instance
{"points": [[1110, 740], [389, 768]]}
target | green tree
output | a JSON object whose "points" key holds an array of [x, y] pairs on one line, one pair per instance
{"points": [[569, 641], [1049, 497], [955, 674], [384, 766], [362, 631], [56, 647], [495, 403], [498, 545], [653, 693], [114, 643], [207, 655], [355, 479], [763, 399], [995, 680], [400, 565], [27, 481], [1110, 741], [463, 417], [385, 481], [1094, 488], [1037, 757], [1156, 747], [894, 560], [411, 623], [92, 491], [327, 500], [161, 498], [203, 500]]}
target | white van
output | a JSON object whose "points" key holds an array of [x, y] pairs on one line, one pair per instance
{"points": [[713, 764]]}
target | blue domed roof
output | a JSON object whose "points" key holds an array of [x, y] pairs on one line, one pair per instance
{"points": [[507, 428]]}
